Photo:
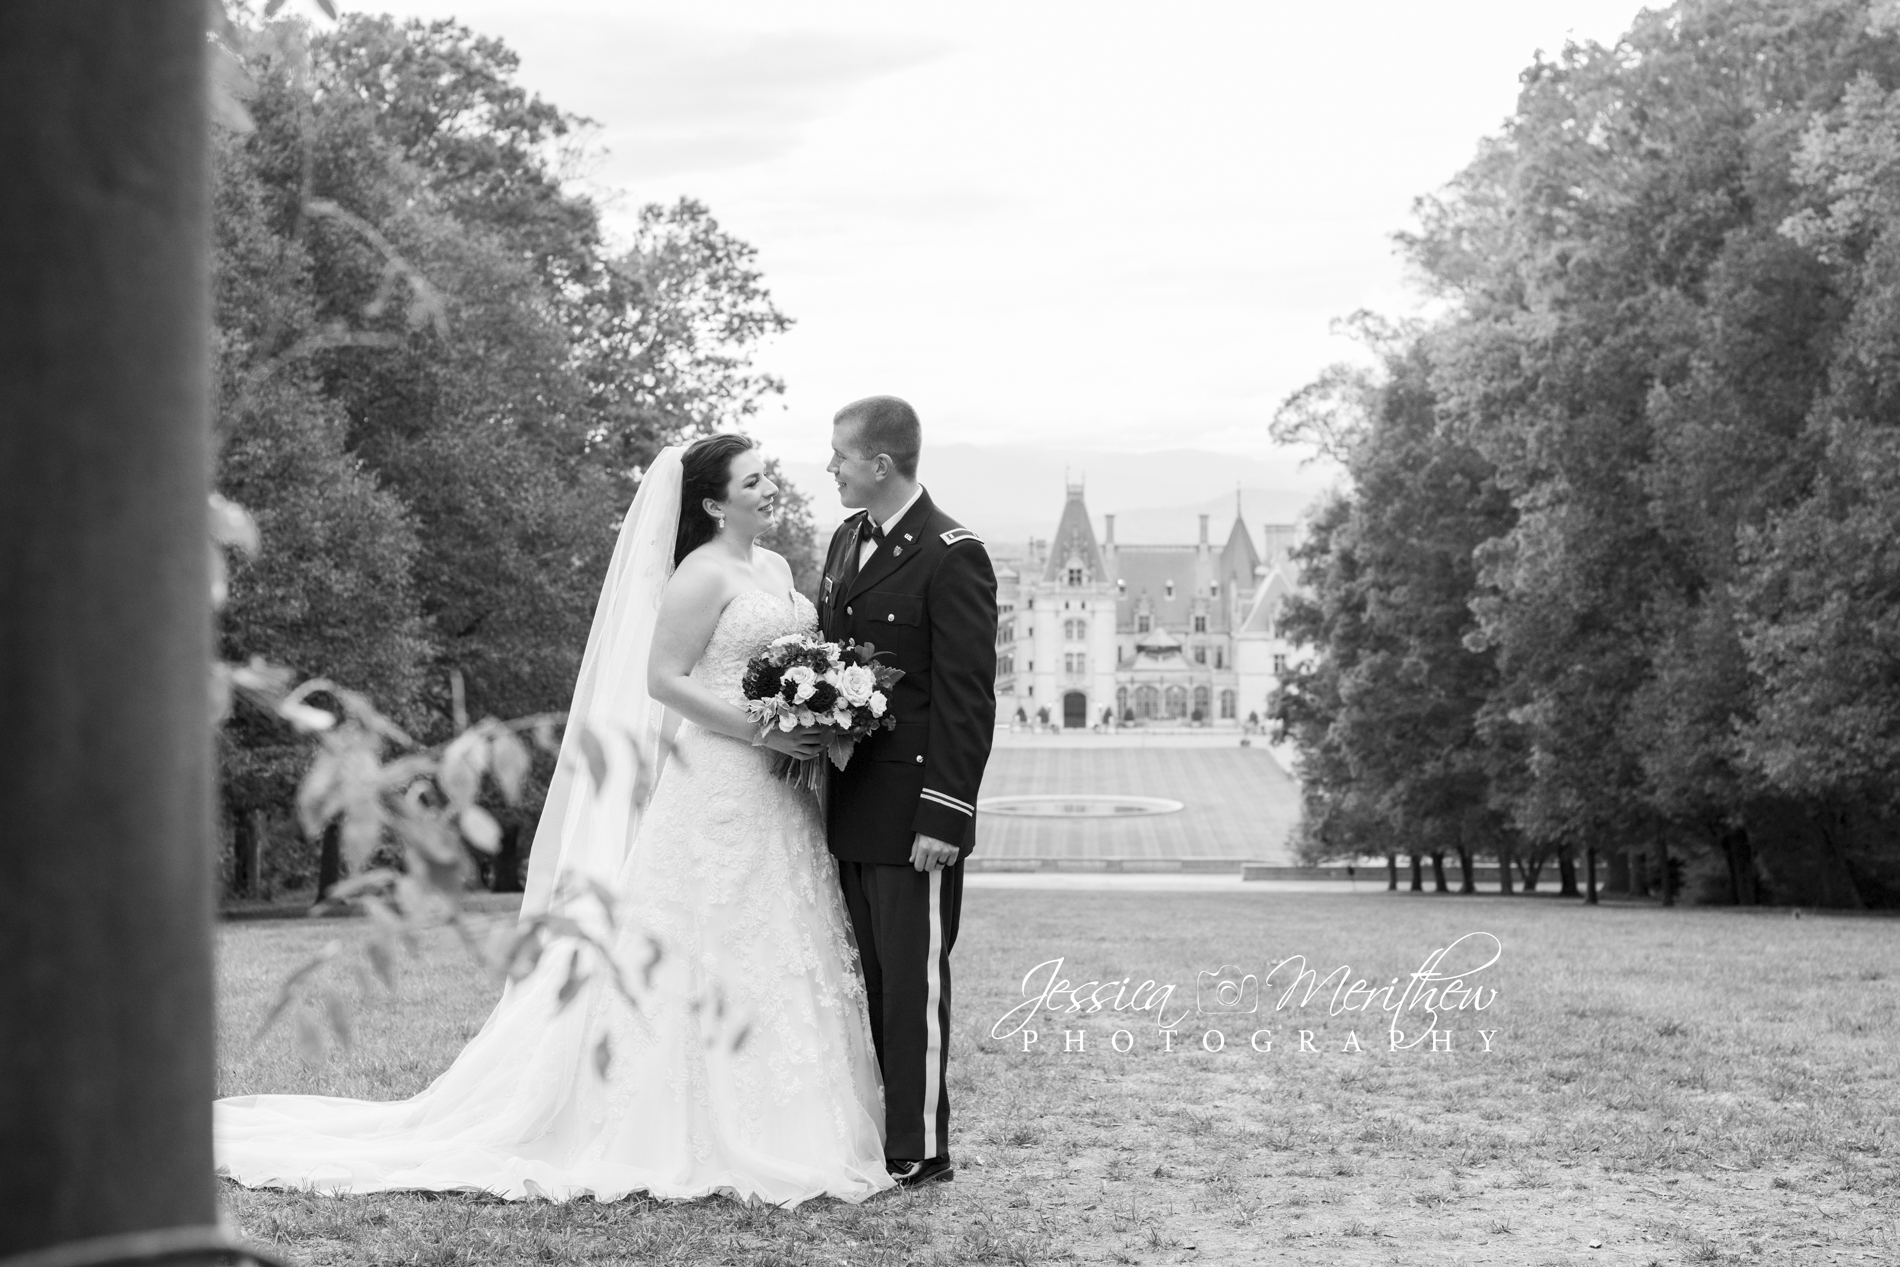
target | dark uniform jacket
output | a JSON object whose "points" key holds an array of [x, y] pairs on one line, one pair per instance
{"points": [[927, 597]]}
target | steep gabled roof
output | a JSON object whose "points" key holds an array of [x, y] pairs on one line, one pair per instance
{"points": [[1266, 607], [1075, 537], [1237, 558]]}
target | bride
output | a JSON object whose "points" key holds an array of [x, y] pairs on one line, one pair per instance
{"points": [[725, 869]]}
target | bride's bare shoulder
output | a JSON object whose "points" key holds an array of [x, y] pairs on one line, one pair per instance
{"points": [[776, 562], [699, 583]]}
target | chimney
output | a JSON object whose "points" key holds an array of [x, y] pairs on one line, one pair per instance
{"points": [[1203, 529], [1108, 530]]}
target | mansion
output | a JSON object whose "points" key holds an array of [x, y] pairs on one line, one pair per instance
{"points": [[1171, 635]]}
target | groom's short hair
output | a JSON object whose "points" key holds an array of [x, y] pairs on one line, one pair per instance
{"points": [[889, 426]]}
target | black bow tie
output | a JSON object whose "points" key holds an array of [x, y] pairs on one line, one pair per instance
{"points": [[868, 531]]}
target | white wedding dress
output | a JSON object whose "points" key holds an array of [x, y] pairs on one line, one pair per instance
{"points": [[729, 872]]}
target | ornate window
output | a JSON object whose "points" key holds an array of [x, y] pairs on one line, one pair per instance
{"points": [[1200, 655], [1075, 662], [1121, 701], [1200, 624], [1227, 706], [1279, 666], [1143, 623], [1075, 576], [1075, 630], [1218, 657], [1177, 701], [1147, 702], [1201, 702]]}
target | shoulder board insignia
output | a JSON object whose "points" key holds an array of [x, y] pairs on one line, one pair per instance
{"points": [[955, 535]]}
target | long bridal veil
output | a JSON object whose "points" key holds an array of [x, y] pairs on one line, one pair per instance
{"points": [[586, 828], [518, 1101]]}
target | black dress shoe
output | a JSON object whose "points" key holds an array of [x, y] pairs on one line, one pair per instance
{"points": [[911, 1174]]}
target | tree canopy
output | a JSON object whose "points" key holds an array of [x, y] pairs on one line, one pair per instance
{"points": [[1617, 568], [439, 379]]}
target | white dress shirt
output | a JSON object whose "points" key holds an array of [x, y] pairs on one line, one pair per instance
{"points": [[867, 548]]}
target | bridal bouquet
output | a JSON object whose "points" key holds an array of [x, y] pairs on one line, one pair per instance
{"points": [[804, 681]]}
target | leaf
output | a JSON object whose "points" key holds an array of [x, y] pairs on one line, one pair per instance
{"points": [[509, 762], [596, 757], [231, 524], [220, 582], [460, 774], [525, 957], [575, 980], [380, 879], [336, 1009], [226, 85], [383, 960], [304, 717], [220, 692], [316, 795], [480, 829], [328, 7], [310, 1044], [603, 1057]]}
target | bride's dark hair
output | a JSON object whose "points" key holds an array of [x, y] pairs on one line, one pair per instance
{"points": [[705, 470]]}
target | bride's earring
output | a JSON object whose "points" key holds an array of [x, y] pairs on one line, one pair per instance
{"points": [[719, 523]]}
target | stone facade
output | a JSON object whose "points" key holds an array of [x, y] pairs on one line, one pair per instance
{"points": [[1094, 630]]}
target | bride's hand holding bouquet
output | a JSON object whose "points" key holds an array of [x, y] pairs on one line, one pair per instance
{"points": [[837, 692]]}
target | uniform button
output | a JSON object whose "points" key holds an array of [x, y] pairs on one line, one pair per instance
{"points": [[891, 616], [920, 761], [847, 611]]}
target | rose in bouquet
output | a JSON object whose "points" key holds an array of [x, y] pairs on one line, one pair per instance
{"points": [[804, 681]]}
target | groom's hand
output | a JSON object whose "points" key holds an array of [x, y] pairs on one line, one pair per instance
{"points": [[928, 853]]}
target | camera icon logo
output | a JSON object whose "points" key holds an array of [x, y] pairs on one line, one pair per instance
{"points": [[1226, 992]]}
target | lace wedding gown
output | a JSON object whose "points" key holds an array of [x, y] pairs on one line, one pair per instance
{"points": [[730, 873]]}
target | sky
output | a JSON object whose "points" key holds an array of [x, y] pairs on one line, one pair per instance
{"points": [[1085, 226]]}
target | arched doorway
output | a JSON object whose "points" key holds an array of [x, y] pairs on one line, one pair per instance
{"points": [[1075, 710], [1177, 702], [1147, 702]]}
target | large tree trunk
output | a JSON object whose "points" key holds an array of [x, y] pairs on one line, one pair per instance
{"points": [[247, 863], [1639, 871], [1619, 880], [1418, 879], [1665, 872], [1438, 872], [1528, 868], [1590, 867], [1391, 872], [106, 1062], [1566, 874], [507, 873], [1504, 868], [1468, 884], [329, 860], [1740, 855]]}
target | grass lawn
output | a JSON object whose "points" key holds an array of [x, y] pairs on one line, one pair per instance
{"points": [[1686, 1086]]}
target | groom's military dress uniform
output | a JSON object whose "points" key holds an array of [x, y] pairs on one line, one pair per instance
{"points": [[925, 597]]}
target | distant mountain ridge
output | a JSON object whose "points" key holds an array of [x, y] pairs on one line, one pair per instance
{"points": [[1011, 493]]}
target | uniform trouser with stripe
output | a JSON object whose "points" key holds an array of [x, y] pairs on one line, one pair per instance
{"points": [[906, 921]]}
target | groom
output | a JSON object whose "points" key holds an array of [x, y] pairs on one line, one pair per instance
{"points": [[909, 579]]}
